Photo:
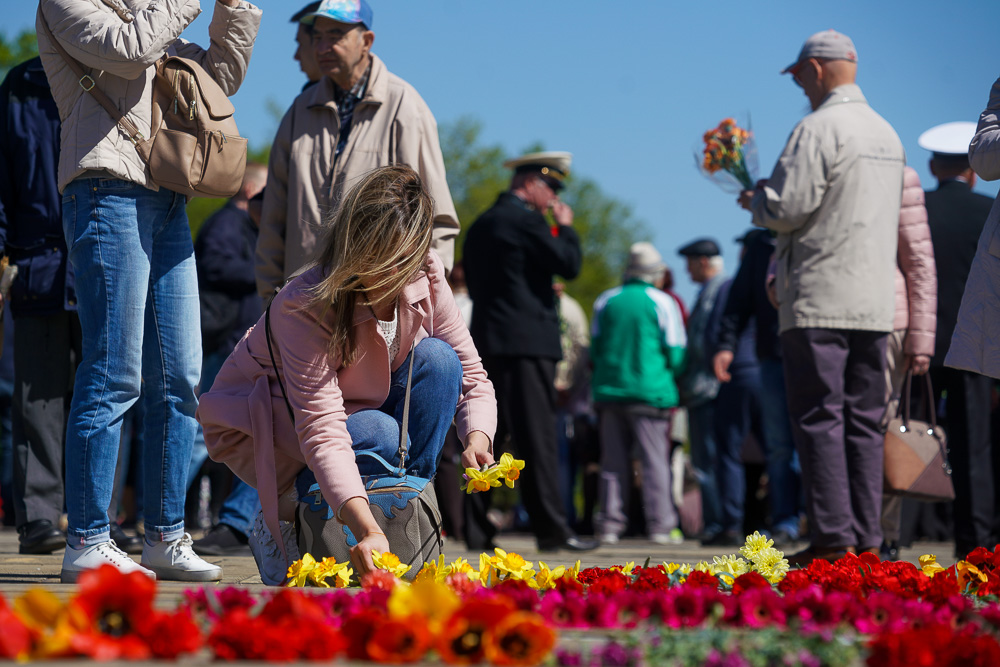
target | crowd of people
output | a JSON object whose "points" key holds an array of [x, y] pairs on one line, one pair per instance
{"points": [[328, 297]]}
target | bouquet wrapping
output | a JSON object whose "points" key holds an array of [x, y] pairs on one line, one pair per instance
{"points": [[729, 157]]}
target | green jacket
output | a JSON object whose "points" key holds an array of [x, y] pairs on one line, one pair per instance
{"points": [[637, 346]]}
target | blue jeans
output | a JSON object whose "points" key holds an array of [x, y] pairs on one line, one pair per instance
{"points": [[137, 292], [434, 392], [737, 413], [210, 367], [783, 472], [704, 452]]}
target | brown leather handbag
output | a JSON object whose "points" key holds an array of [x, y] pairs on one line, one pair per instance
{"points": [[916, 453], [194, 148]]}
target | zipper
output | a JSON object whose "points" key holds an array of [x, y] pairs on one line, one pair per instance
{"points": [[177, 91], [194, 100]]}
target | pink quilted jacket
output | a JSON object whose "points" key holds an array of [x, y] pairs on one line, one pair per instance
{"points": [[916, 278]]}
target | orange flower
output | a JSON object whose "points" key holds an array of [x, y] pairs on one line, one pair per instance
{"points": [[522, 638], [400, 640], [461, 640]]}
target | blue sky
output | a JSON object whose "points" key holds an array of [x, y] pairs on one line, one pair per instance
{"points": [[629, 87]]}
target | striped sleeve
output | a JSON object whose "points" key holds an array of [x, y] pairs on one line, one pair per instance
{"points": [[669, 317]]}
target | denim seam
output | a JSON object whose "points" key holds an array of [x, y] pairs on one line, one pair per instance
{"points": [[95, 219]]}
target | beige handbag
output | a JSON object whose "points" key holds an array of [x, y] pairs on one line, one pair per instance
{"points": [[916, 453], [194, 147]]}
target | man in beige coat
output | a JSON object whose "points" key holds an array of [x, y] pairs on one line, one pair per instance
{"points": [[357, 118]]}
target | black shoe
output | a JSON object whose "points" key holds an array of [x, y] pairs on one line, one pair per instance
{"points": [[889, 550], [130, 544], [571, 543], [222, 540], [727, 538], [40, 537]]}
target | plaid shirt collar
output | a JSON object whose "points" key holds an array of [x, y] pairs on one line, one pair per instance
{"points": [[349, 99]]}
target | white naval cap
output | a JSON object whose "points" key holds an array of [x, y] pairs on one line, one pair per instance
{"points": [[549, 163], [948, 138]]}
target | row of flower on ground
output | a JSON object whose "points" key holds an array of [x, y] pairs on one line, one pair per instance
{"points": [[738, 610]]}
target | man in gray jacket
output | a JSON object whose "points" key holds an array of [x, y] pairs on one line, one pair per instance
{"points": [[130, 247], [834, 199]]}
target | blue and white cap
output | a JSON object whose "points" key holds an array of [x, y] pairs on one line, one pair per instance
{"points": [[344, 11]]}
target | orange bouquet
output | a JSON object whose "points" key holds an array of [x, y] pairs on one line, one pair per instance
{"points": [[729, 156]]}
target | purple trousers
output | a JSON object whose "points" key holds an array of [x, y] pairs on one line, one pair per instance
{"points": [[836, 398]]}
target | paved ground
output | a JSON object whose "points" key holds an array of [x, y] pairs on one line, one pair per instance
{"points": [[19, 573]]}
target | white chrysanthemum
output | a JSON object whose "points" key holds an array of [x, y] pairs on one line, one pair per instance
{"points": [[771, 564], [755, 544], [731, 565]]}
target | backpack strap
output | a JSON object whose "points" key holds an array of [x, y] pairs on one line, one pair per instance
{"points": [[88, 84]]}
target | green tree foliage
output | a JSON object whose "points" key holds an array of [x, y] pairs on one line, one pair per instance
{"points": [[15, 50], [607, 227]]}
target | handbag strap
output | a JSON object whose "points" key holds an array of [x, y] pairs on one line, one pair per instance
{"points": [[904, 404], [88, 84], [270, 351], [399, 472]]}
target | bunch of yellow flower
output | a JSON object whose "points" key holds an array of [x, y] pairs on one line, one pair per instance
{"points": [[759, 555], [507, 469], [390, 563], [309, 572]]}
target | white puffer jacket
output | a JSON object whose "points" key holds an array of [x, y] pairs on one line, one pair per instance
{"points": [[120, 41]]}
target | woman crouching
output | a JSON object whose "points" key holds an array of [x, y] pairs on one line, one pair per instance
{"points": [[341, 336]]}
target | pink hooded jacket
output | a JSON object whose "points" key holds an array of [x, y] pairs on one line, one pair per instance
{"points": [[916, 277], [246, 422]]}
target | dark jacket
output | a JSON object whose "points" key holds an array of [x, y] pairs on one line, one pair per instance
{"points": [[510, 258], [956, 216], [698, 384], [224, 254], [748, 300], [31, 232]]}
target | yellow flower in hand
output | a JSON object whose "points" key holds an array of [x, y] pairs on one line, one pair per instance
{"points": [[389, 562], [510, 469], [481, 480], [298, 572]]}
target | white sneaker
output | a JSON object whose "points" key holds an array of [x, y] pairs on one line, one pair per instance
{"points": [[675, 536], [270, 562], [176, 561], [76, 561], [608, 539]]}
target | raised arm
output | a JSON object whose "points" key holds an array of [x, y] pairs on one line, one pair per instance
{"points": [[232, 32], [103, 40]]}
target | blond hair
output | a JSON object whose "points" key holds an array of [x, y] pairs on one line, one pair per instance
{"points": [[375, 244]]}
